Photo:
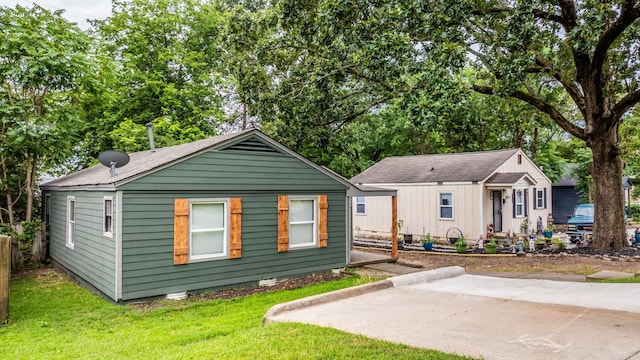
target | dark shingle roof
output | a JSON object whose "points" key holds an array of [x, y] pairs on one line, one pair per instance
{"points": [[508, 178], [473, 166], [568, 176], [139, 163]]}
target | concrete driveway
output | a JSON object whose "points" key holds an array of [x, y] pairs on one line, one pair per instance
{"points": [[480, 316]]}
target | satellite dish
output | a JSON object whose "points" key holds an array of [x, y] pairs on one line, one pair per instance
{"points": [[113, 159]]}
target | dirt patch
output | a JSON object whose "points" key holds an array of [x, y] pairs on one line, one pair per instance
{"points": [[560, 263], [287, 284]]}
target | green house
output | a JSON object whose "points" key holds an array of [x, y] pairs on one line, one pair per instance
{"points": [[225, 210]]}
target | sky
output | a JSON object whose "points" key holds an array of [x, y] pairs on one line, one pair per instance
{"points": [[76, 11]]}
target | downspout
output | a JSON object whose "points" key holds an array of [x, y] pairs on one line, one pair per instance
{"points": [[118, 246], [349, 227]]}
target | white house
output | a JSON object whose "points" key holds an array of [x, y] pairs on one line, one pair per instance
{"points": [[467, 191]]}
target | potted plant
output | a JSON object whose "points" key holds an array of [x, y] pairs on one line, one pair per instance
{"points": [[491, 247], [557, 244], [427, 243], [524, 225], [540, 243], [548, 232], [461, 244]]}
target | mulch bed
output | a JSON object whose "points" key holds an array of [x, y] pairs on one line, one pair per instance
{"points": [[232, 293]]}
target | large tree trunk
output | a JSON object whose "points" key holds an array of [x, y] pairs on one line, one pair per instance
{"points": [[10, 208], [609, 228]]}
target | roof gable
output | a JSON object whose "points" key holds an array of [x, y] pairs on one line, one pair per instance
{"points": [[251, 144], [147, 162], [461, 167], [510, 178]]}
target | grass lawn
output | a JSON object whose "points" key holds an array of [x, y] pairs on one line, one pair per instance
{"points": [[630, 280], [53, 318]]}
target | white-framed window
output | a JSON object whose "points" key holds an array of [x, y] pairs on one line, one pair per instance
{"points": [[361, 205], [519, 203], [208, 229], [107, 216], [303, 223], [446, 205], [71, 221], [540, 199]]}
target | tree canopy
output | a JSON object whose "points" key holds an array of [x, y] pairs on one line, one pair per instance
{"points": [[162, 65], [576, 62], [45, 63], [345, 83]]}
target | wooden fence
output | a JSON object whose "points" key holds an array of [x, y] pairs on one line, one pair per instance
{"points": [[5, 270], [38, 248]]}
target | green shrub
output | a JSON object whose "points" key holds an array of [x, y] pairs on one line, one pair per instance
{"points": [[29, 231]]}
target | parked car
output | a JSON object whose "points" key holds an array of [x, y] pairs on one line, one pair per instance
{"points": [[581, 222]]}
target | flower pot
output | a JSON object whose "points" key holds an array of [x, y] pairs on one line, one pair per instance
{"points": [[428, 246], [547, 234], [540, 246], [488, 249], [408, 238], [400, 244]]}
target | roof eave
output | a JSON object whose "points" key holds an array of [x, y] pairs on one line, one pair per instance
{"points": [[90, 187]]}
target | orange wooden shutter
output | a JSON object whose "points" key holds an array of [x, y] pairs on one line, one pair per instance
{"points": [[283, 223], [181, 231], [235, 233], [323, 235]]}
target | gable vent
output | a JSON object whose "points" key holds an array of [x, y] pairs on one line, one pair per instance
{"points": [[252, 145]]}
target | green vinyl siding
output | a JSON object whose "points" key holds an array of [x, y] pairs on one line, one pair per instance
{"points": [[147, 262], [251, 169], [93, 255]]}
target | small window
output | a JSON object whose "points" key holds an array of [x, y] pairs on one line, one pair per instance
{"points": [[540, 199], [302, 222], [519, 159], [360, 205], [519, 203], [71, 220], [446, 205], [107, 217], [208, 237]]}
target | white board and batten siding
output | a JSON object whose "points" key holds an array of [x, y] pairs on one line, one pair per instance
{"points": [[419, 206], [511, 223]]}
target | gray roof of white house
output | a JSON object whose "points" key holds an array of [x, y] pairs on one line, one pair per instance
{"points": [[509, 178], [140, 163], [460, 167]]}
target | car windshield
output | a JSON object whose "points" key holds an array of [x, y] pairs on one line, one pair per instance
{"points": [[584, 211]]}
